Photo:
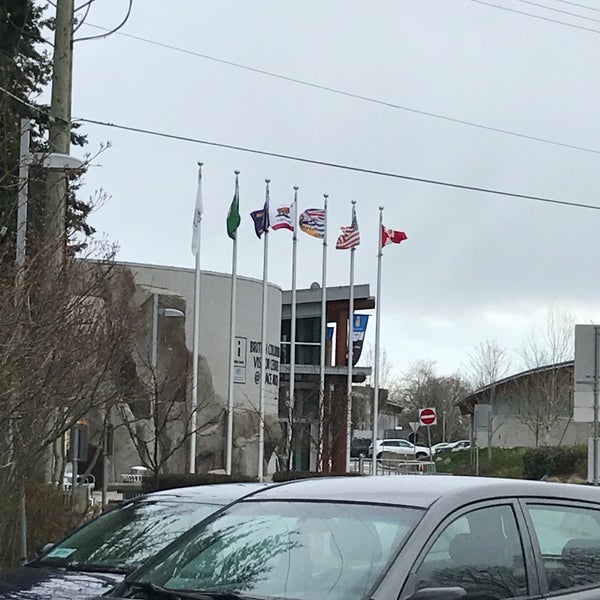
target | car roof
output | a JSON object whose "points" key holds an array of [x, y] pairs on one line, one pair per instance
{"points": [[215, 493], [419, 490]]}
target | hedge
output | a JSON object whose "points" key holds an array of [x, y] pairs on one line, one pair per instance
{"points": [[554, 461]]}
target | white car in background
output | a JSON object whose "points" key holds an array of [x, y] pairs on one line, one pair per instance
{"points": [[403, 448]]}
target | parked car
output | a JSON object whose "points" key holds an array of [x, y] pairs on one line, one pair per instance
{"points": [[451, 446], [403, 448], [437, 447], [406, 537], [98, 555]]}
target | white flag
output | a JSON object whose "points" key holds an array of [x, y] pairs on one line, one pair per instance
{"points": [[199, 209], [282, 217]]}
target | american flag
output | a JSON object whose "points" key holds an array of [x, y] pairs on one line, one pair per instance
{"points": [[350, 237]]}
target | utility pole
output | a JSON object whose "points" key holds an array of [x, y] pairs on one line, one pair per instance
{"points": [[60, 123]]}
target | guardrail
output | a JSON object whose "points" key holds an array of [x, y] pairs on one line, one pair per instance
{"points": [[391, 465]]}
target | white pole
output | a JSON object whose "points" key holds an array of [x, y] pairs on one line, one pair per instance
{"points": [[292, 403], [377, 334], [230, 391], [154, 368], [194, 405], [20, 259], [263, 345], [350, 355], [323, 340]]}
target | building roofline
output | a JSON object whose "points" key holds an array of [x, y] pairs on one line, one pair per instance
{"points": [[125, 263], [542, 369]]}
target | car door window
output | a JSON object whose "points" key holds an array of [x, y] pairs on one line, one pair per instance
{"points": [[393, 443], [569, 542], [481, 551]]}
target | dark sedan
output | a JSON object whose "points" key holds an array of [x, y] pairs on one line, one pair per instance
{"points": [[388, 538], [98, 555]]}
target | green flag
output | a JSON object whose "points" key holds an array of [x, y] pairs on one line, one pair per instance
{"points": [[233, 216]]}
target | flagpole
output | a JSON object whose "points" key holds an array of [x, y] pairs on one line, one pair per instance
{"points": [[194, 407], [377, 334], [323, 338], [350, 353], [263, 346], [293, 330], [232, 314]]}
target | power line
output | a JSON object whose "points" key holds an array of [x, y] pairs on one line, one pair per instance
{"points": [[558, 10], [319, 162], [355, 96], [521, 12], [111, 31], [337, 165], [579, 5]]}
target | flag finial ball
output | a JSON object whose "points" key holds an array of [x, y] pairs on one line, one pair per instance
{"points": [[237, 172], [381, 208], [296, 188], [353, 201], [200, 163], [267, 181]]}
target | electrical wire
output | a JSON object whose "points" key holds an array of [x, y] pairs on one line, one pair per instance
{"points": [[579, 5], [337, 165], [548, 19], [115, 30], [360, 97], [87, 6], [320, 162], [558, 10]]}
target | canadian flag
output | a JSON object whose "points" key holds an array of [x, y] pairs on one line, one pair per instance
{"points": [[391, 236]]}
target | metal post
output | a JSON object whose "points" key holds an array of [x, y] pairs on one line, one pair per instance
{"points": [[596, 409], [263, 348], [350, 361], [153, 367], [377, 335], [292, 402], [74, 458], [323, 343]]}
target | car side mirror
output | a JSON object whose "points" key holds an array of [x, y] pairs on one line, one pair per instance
{"points": [[439, 593]]}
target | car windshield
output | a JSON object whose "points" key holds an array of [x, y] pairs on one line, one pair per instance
{"points": [[123, 538], [277, 549]]}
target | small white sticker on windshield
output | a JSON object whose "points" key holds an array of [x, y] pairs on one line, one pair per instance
{"points": [[61, 552]]}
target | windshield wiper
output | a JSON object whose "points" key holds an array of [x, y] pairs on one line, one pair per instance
{"points": [[95, 568], [212, 595], [155, 590]]}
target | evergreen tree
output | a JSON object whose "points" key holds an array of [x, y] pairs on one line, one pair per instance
{"points": [[25, 70]]}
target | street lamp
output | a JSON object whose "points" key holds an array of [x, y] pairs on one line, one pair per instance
{"points": [[53, 161], [156, 312]]}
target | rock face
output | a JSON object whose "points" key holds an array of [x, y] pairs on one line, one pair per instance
{"points": [[151, 414]]}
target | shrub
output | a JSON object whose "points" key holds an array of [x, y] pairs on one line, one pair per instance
{"points": [[554, 461]]}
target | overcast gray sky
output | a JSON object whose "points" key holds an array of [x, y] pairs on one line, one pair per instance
{"points": [[475, 266]]}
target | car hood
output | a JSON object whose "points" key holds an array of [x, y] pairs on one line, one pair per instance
{"points": [[39, 583]]}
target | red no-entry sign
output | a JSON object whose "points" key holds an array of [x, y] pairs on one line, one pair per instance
{"points": [[427, 416]]}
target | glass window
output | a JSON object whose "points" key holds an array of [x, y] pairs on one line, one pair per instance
{"points": [[481, 552], [569, 541], [126, 536], [295, 550], [391, 443]]}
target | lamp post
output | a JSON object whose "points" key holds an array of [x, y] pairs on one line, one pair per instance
{"points": [[55, 162], [156, 312]]}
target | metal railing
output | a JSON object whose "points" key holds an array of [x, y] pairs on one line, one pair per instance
{"points": [[391, 466]]}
